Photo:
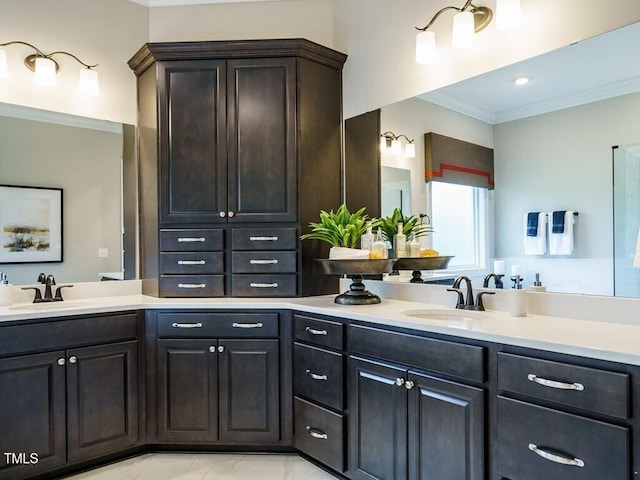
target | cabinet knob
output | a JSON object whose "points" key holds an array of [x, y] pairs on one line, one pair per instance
{"points": [[73, 359], [61, 361], [220, 349], [212, 349], [231, 214], [409, 384], [399, 381], [223, 214]]}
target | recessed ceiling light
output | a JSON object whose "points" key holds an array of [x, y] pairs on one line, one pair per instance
{"points": [[521, 81]]}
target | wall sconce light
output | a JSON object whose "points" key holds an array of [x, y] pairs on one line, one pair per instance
{"points": [[45, 68], [469, 20], [392, 142]]}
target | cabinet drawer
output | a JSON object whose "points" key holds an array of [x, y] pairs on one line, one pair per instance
{"points": [[264, 239], [575, 447], [52, 335], [264, 262], [217, 325], [571, 385], [191, 285], [440, 356], [189, 240], [274, 285], [187, 263], [317, 375], [319, 433], [318, 331]]}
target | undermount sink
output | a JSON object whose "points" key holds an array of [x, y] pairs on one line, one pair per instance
{"points": [[447, 315], [51, 305]]}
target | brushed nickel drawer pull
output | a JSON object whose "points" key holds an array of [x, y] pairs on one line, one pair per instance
{"points": [[573, 462], [192, 262], [553, 384], [263, 239], [264, 285], [186, 325], [315, 376], [247, 325], [316, 433], [313, 331], [191, 239], [192, 285], [263, 262]]}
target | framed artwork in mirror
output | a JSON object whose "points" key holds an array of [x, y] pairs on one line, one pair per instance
{"points": [[30, 224]]}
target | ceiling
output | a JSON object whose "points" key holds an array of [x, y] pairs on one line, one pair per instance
{"points": [[594, 69], [173, 3]]}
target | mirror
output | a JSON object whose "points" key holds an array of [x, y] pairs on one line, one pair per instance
{"points": [[88, 159], [552, 141], [396, 190]]}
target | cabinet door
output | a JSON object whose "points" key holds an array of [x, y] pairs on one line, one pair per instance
{"points": [[446, 430], [187, 391], [102, 399], [378, 421], [262, 140], [193, 144], [32, 414], [249, 391]]}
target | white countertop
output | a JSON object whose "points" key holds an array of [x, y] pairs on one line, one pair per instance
{"points": [[604, 340]]}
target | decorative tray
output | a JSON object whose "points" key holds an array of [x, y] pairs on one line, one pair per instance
{"points": [[356, 267], [421, 263]]}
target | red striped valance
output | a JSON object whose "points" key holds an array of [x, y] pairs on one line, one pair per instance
{"points": [[451, 160]]}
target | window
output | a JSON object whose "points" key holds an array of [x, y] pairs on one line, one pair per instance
{"points": [[459, 215]]}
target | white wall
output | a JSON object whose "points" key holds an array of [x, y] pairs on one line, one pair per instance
{"points": [[379, 36], [563, 161], [107, 32]]}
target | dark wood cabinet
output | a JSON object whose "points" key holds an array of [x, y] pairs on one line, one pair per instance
{"points": [[218, 378], [67, 406], [237, 134], [408, 425]]}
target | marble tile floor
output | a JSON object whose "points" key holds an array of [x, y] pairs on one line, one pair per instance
{"points": [[208, 466]]}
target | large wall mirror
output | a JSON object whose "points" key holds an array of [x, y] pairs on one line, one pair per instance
{"points": [[552, 141], [92, 161]]}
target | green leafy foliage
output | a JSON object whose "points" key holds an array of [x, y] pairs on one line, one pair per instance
{"points": [[411, 226], [341, 228]]}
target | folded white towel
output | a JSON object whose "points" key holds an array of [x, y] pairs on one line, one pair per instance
{"points": [[536, 245], [636, 260], [342, 253], [562, 243]]}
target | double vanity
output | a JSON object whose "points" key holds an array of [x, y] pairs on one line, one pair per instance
{"points": [[391, 391]]}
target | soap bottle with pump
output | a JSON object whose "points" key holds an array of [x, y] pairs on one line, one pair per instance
{"points": [[537, 285], [6, 290], [400, 242], [518, 301]]}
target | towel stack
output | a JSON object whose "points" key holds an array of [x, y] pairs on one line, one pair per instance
{"points": [[560, 233], [535, 238], [342, 253]]}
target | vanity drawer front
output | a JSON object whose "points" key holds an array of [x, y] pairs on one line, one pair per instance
{"points": [[218, 325], [318, 331], [425, 353], [190, 240], [264, 262], [565, 384], [264, 285], [264, 239], [527, 433], [319, 433], [186, 263], [192, 285], [317, 375]]}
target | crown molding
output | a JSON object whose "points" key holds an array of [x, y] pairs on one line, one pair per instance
{"points": [[47, 116], [180, 3]]}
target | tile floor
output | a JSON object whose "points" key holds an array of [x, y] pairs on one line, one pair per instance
{"points": [[208, 466]]}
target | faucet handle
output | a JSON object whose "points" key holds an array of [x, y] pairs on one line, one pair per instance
{"points": [[460, 302], [58, 296], [38, 296], [479, 305]]}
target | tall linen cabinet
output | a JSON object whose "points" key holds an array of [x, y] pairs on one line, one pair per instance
{"points": [[239, 148]]}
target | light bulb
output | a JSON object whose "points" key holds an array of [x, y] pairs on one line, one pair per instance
{"points": [[425, 47], [88, 84], [396, 147], [4, 67], [45, 73], [508, 14], [410, 150], [464, 33]]}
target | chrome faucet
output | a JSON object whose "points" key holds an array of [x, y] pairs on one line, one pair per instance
{"points": [[496, 278], [469, 304]]}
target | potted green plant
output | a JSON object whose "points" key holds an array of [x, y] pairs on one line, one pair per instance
{"points": [[341, 228], [411, 226]]}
